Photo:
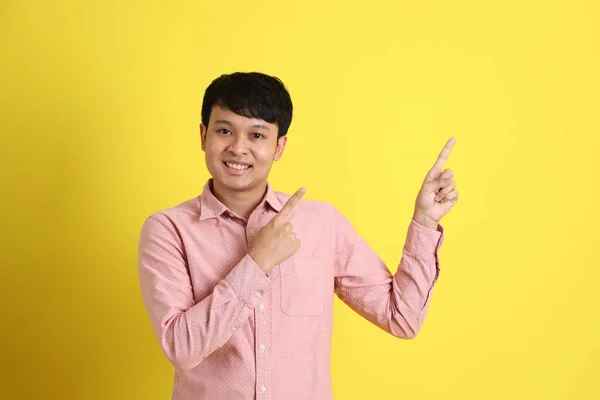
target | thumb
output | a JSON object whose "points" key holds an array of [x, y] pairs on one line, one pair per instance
{"points": [[437, 184]]}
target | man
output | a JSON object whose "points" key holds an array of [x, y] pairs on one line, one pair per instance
{"points": [[239, 281]]}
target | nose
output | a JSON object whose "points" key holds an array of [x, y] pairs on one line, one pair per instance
{"points": [[238, 145]]}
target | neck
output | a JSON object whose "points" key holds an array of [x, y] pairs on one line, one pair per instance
{"points": [[241, 202]]}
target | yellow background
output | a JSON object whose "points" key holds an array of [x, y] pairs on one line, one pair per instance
{"points": [[100, 103]]}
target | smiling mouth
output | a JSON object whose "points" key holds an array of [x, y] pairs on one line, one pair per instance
{"points": [[238, 167]]}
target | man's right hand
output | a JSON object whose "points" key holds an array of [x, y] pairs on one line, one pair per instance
{"points": [[276, 241]]}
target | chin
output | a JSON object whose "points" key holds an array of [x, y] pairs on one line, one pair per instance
{"points": [[233, 183], [238, 186]]}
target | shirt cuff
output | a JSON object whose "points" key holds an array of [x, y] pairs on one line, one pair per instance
{"points": [[422, 240], [248, 281]]}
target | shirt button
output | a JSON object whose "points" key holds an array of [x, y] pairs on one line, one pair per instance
{"points": [[258, 294], [252, 231], [262, 306], [263, 388], [233, 328], [262, 347]]}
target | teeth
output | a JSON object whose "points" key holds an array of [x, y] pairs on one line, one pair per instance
{"points": [[237, 166]]}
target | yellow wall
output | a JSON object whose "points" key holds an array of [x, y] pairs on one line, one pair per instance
{"points": [[100, 103]]}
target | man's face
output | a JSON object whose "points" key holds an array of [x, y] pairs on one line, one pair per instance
{"points": [[239, 150]]}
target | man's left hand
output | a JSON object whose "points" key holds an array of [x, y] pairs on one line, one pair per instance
{"points": [[438, 193]]}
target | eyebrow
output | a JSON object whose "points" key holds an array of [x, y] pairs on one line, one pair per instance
{"points": [[226, 122]]}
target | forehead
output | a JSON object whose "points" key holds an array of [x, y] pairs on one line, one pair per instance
{"points": [[225, 116]]}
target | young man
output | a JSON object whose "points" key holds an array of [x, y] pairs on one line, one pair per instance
{"points": [[239, 281]]}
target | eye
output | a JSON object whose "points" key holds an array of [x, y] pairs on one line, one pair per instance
{"points": [[257, 136], [224, 131]]}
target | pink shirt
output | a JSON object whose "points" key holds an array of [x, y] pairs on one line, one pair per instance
{"points": [[233, 332]]}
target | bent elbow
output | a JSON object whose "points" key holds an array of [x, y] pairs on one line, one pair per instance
{"points": [[406, 335], [405, 329], [180, 354], [181, 360], [410, 337], [184, 364]]}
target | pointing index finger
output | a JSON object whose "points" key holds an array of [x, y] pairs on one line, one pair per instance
{"points": [[291, 203], [439, 163]]}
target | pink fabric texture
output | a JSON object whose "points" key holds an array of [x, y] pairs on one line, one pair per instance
{"points": [[234, 332]]}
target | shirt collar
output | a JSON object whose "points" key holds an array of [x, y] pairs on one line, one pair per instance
{"points": [[272, 199], [211, 207]]}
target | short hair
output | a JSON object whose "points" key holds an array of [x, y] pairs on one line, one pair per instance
{"points": [[253, 95]]}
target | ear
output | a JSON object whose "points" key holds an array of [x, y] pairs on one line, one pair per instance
{"points": [[280, 147], [203, 136]]}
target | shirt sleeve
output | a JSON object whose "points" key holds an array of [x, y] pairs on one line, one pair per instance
{"points": [[396, 303], [188, 331]]}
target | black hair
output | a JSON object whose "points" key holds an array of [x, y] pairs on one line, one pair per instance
{"points": [[253, 95]]}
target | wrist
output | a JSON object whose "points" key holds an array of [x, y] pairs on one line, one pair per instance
{"points": [[260, 262], [425, 221]]}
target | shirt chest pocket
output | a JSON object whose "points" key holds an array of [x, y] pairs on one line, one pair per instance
{"points": [[302, 286]]}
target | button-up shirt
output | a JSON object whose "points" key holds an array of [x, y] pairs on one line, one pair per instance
{"points": [[233, 332]]}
